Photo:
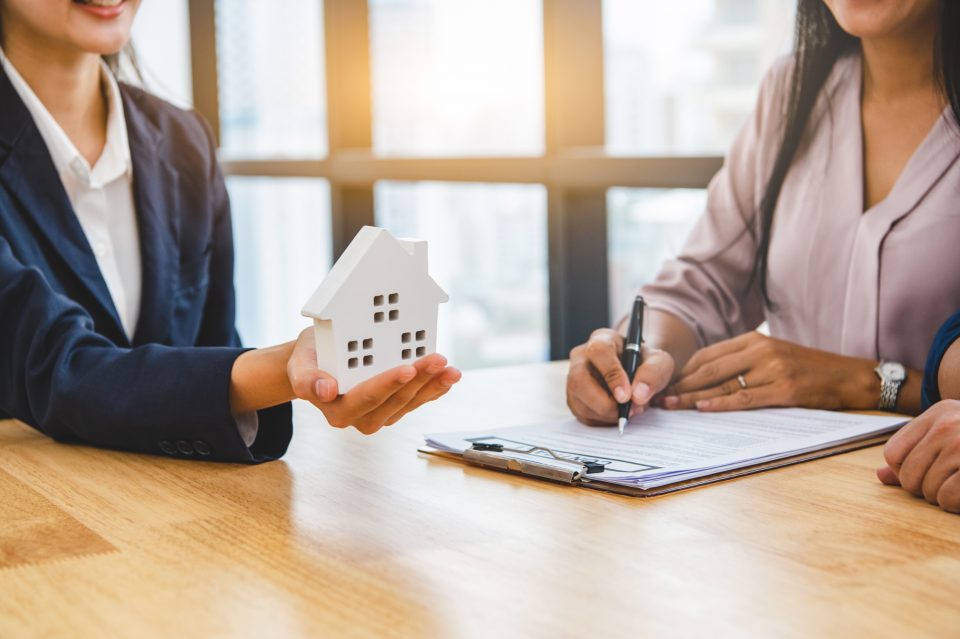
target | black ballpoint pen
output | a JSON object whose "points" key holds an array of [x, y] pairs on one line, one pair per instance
{"points": [[632, 357]]}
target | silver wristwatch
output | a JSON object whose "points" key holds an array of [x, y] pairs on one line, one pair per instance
{"points": [[891, 376]]}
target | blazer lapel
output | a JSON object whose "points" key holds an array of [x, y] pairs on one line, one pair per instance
{"points": [[28, 172], [156, 195]]}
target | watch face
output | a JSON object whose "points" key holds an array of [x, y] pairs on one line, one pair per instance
{"points": [[893, 371]]}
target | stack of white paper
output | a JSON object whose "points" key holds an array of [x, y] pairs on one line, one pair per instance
{"points": [[663, 447]]}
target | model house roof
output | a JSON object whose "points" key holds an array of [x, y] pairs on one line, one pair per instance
{"points": [[372, 244]]}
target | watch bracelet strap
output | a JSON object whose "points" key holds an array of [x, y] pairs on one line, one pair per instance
{"points": [[888, 395]]}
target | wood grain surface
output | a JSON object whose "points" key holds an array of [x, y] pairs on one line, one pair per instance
{"points": [[354, 536]]}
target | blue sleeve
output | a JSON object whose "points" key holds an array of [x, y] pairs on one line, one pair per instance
{"points": [[63, 378], [946, 336]]}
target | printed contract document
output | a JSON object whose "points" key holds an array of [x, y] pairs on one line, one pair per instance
{"points": [[663, 447]]}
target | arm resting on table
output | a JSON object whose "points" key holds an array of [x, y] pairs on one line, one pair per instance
{"points": [[63, 378]]}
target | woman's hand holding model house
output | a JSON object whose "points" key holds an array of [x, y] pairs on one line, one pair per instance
{"points": [[271, 376]]}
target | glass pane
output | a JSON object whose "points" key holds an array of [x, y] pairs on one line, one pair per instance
{"points": [[272, 98], [645, 227], [161, 35], [282, 233], [457, 77], [682, 76], [488, 250]]}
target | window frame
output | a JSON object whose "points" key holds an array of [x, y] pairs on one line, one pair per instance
{"points": [[574, 168]]}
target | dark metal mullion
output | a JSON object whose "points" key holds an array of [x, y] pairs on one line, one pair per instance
{"points": [[349, 112], [576, 218], [203, 62], [579, 298]]}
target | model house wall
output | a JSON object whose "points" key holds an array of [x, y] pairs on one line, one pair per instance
{"points": [[376, 309]]}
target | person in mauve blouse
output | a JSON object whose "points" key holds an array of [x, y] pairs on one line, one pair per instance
{"points": [[924, 456], [834, 219]]}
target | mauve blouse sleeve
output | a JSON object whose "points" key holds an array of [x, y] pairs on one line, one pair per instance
{"points": [[708, 285]]}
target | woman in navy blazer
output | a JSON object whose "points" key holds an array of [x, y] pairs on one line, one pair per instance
{"points": [[180, 382]]}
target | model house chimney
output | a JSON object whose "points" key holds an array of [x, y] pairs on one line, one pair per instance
{"points": [[418, 249]]}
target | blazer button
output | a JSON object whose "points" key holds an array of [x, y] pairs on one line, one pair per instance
{"points": [[201, 447], [184, 447], [168, 448]]}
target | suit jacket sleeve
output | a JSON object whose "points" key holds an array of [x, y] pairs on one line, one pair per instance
{"points": [[73, 384], [946, 336]]}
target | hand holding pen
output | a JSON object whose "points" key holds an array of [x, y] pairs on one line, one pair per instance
{"points": [[598, 385]]}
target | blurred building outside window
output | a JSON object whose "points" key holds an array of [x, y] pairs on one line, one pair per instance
{"points": [[457, 77], [271, 66], [488, 250], [682, 76], [281, 228], [645, 227]]}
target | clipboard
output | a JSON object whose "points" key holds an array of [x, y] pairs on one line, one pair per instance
{"points": [[570, 473]]}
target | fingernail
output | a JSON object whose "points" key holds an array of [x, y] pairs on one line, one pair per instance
{"points": [[671, 402], [323, 387], [703, 404], [408, 374], [642, 393], [621, 394]]}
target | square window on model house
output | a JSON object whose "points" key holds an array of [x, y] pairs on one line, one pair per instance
{"points": [[352, 346], [378, 300], [406, 353], [406, 337], [421, 351], [394, 298], [394, 315], [368, 360], [368, 344], [421, 335], [378, 317], [353, 362]]}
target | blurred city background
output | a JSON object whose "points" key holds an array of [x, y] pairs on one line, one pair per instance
{"points": [[462, 78]]}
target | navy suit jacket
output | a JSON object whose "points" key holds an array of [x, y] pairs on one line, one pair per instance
{"points": [[946, 336], [67, 367]]}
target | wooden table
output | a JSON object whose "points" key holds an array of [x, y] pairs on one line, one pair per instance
{"points": [[362, 536]]}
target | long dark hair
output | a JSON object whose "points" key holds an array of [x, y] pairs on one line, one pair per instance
{"points": [[819, 43]]}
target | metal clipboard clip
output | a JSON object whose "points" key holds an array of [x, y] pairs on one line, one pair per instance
{"points": [[556, 468]]}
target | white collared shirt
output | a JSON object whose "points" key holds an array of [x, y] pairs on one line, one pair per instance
{"points": [[102, 196]]}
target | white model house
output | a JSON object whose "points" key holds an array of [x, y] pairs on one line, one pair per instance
{"points": [[376, 309]]}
